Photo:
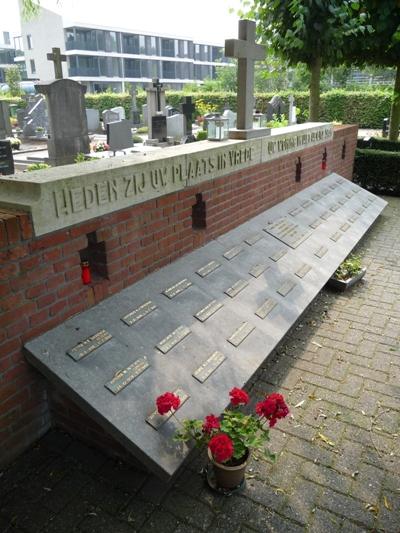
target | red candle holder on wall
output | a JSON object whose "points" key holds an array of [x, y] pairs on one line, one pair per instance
{"points": [[86, 276]]}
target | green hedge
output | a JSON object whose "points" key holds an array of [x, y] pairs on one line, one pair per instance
{"points": [[377, 143], [377, 171]]}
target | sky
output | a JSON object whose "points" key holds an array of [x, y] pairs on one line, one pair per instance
{"points": [[202, 20]]}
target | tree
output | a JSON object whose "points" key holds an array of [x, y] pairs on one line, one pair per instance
{"points": [[314, 32], [13, 77]]}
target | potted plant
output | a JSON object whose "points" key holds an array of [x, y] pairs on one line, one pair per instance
{"points": [[230, 437], [348, 273]]}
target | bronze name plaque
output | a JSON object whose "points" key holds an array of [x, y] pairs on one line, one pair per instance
{"points": [[349, 195], [316, 197], [345, 226], [236, 288], [208, 268], [233, 252], [156, 420], [367, 202], [278, 255], [139, 313], [286, 287], [123, 377], [288, 232], [325, 215], [171, 340], [342, 200], [306, 204], [316, 223], [303, 270], [334, 207], [252, 239], [176, 289], [208, 310], [353, 218], [209, 366], [321, 252], [340, 181], [295, 212], [360, 210], [266, 308], [240, 334], [88, 345], [335, 236], [258, 269], [325, 191]]}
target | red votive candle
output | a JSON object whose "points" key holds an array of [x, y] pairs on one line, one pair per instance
{"points": [[86, 277]]}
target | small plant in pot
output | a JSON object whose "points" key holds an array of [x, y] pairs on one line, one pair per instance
{"points": [[230, 437], [349, 272]]}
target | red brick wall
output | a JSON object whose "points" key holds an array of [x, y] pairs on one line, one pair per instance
{"points": [[40, 278]]}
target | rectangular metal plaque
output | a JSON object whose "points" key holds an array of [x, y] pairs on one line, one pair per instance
{"points": [[360, 211], [349, 195], [316, 223], [259, 269], [334, 207], [356, 190], [295, 212], [286, 288], [303, 270], [233, 252], [325, 191], [88, 345], [345, 226], [236, 288], [209, 366], [156, 420], [171, 340], [288, 232], [278, 255], [342, 200], [241, 333], [139, 313], [321, 252], [333, 186], [335, 236], [176, 289], [325, 215], [123, 377], [208, 268], [353, 218], [306, 203], [208, 310], [266, 308], [252, 239], [340, 181], [316, 197]]}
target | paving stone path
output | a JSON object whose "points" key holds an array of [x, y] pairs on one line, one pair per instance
{"points": [[339, 454]]}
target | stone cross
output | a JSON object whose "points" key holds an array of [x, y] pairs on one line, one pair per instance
{"points": [[188, 109], [57, 57], [292, 111], [158, 86], [246, 52]]}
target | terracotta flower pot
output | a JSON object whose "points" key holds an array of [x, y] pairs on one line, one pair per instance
{"points": [[229, 477]]}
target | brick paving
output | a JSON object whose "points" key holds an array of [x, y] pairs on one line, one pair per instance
{"points": [[339, 454]]}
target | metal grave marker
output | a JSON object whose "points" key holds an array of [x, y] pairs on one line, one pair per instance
{"points": [[171, 340], [89, 345], [258, 269], [139, 313], [303, 270], [177, 288], [208, 310], [288, 232], [252, 239], [278, 254], [241, 333], [156, 420], [322, 250], [286, 287], [236, 288], [266, 308], [233, 252], [123, 377], [209, 366], [208, 268]]}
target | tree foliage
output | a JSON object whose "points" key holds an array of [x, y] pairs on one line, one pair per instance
{"points": [[13, 78]]}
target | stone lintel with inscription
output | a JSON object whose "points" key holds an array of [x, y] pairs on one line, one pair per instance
{"points": [[63, 196]]}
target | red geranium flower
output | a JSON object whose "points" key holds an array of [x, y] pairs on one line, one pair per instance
{"points": [[273, 407], [221, 447], [239, 396], [210, 422], [166, 402]]}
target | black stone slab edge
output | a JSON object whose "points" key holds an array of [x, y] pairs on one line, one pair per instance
{"points": [[156, 420]]}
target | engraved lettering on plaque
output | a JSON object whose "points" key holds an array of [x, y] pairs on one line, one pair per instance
{"points": [[345, 226], [334, 207], [253, 239], [236, 288], [139, 313], [208, 268], [209, 366], [208, 310], [306, 204], [240, 334], [266, 308], [325, 191], [176, 289], [316, 197], [233, 252], [343, 200], [171, 340], [286, 288], [303, 270], [316, 223], [321, 252], [295, 212], [353, 218], [288, 231], [336, 236], [349, 195], [259, 269], [88, 345], [123, 377], [156, 420], [325, 215], [278, 255], [360, 210]]}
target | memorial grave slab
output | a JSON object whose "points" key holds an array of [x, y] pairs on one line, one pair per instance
{"points": [[202, 324]]}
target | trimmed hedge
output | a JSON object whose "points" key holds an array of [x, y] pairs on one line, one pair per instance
{"points": [[377, 143], [377, 171]]}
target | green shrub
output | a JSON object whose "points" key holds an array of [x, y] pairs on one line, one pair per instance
{"points": [[377, 171], [137, 139], [379, 144], [143, 129], [201, 135], [348, 268], [15, 142], [37, 166]]}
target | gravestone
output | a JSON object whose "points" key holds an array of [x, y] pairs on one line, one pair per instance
{"points": [[5, 124], [93, 120], [109, 116], [156, 106], [120, 112], [67, 120], [275, 106], [134, 112], [57, 57], [231, 116], [176, 127], [206, 322], [36, 116], [292, 119], [188, 109], [246, 52], [159, 128], [119, 135], [6, 158], [145, 113]]}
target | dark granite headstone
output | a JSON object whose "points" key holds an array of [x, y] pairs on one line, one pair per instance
{"points": [[6, 158], [188, 109], [119, 135], [159, 127], [205, 323]]}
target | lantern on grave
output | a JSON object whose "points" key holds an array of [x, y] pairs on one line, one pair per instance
{"points": [[259, 120], [217, 128]]}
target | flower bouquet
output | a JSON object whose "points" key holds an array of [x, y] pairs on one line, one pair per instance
{"points": [[100, 147], [230, 437]]}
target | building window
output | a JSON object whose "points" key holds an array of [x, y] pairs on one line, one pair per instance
{"points": [[169, 70], [6, 36], [130, 44], [167, 47], [132, 68], [33, 66], [29, 41]]}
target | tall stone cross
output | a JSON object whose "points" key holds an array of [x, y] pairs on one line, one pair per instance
{"points": [[246, 51], [57, 57], [188, 109], [158, 86]]}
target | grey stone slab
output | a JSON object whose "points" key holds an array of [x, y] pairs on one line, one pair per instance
{"points": [[210, 340]]}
